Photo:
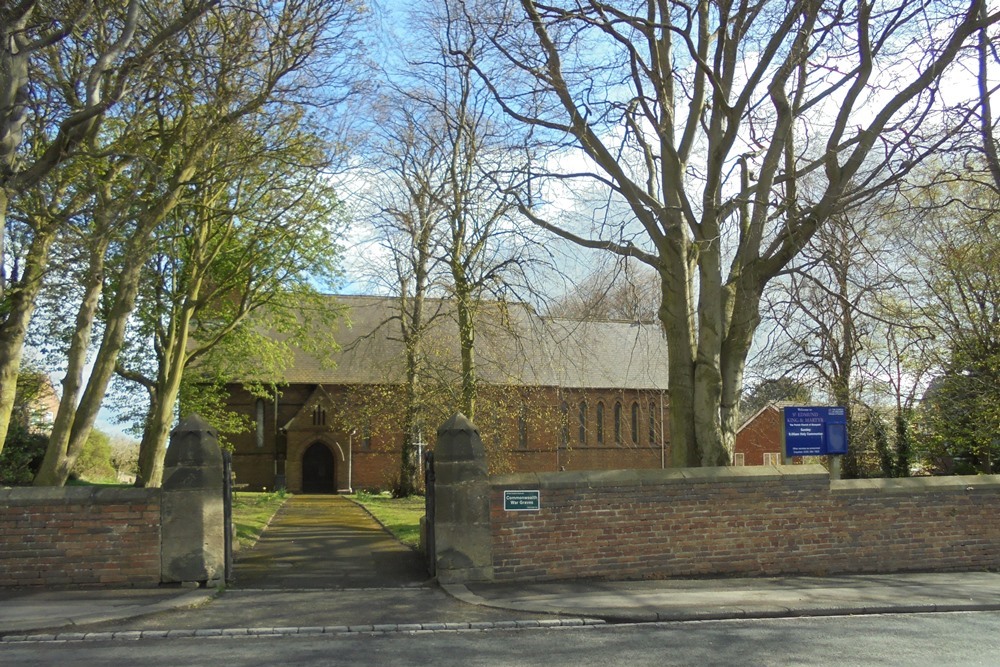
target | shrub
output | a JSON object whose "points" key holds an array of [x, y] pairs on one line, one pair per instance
{"points": [[22, 455]]}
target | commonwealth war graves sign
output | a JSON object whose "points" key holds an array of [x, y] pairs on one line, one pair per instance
{"points": [[522, 501]]}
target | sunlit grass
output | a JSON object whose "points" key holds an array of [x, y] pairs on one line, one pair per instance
{"points": [[251, 514], [401, 516]]}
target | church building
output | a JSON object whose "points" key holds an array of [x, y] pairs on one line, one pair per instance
{"points": [[554, 394]]}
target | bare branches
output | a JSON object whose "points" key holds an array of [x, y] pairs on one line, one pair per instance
{"points": [[706, 120]]}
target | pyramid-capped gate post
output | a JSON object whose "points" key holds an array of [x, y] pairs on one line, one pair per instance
{"points": [[191, 507], [463, 544]]}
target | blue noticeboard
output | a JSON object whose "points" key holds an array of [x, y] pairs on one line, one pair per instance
{"points": [[815, 431]]}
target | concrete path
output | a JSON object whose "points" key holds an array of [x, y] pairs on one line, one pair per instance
{"points": [[327, 542], [718, 599]]}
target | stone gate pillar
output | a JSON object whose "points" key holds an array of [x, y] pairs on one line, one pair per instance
{"points": [[463, 546], [191, 507]]}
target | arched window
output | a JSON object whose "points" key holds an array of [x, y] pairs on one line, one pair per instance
{"points": [[564, 415], [319, 416], [260, 422], [652, 423], [600, 423], [635, 423], [618, 422], [582, 435]]}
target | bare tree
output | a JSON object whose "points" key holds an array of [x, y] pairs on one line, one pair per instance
{"points": [[704, 119], [403, 202], [840, 317], [626, 290], [446, 215]]}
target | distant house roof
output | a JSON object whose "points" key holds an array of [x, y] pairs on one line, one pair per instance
{"points": [[514, 346], [778, 406]]}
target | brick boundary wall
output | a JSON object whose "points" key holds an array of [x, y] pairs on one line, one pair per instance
{"points": [[649, 524], [79, 536]]}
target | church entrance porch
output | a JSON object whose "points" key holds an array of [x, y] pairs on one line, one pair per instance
{"points": [[318, 470]]}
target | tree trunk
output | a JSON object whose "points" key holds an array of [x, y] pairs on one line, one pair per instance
{"points": [[675, 315], [4, 203], [13, 93], [55, 472], [153, 446], [412, 325], [411, 419], [708, 369], [21, 303], [467, 344], [56, 465]]}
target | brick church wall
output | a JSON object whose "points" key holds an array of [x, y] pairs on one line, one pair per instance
{"points": [[79, 537], [556, 434], [763, 521]]}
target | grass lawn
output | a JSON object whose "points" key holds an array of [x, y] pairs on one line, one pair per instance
{"points": [[400, 515], [251, 513]]}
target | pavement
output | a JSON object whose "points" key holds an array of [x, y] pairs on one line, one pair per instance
{"points": [[325, 566]]}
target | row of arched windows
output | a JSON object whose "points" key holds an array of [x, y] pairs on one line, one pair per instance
{"points": [[623, 430], [618, 424]]}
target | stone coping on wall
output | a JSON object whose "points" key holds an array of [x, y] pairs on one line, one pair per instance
{"points": [[654, 477], [912, 485], [646, 477], [73, 495]]}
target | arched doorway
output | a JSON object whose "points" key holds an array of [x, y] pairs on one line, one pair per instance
{"points": [[317, 469]]}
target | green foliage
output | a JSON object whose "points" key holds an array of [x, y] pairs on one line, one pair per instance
{"points": [[904, 445], [24, 446], [874, 451], [95, 461], [209, 399], [961, 417], [21, 456], [960, 413], [851, 466], [880, 434]]}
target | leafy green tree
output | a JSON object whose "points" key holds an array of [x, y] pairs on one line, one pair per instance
{"points": [[25, 446], [22, 455], [95, 463], [961, 413], [63, 67], [258, 237], [221, 82], [904, 445], [886, 458], [959, 257]]}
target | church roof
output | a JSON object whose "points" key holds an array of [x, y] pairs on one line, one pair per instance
{"points": [[514, 346]]}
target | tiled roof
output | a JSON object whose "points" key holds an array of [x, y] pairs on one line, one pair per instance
{"points": [[776, 405], [513, 346]]}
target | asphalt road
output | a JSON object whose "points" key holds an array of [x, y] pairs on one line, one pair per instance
{"points": [[971, 638]]}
